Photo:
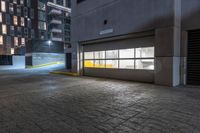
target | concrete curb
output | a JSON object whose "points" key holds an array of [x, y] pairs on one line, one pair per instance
{"points": [[64, 73]]}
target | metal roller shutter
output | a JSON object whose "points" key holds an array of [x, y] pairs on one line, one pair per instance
{"points": [[193, 68]]}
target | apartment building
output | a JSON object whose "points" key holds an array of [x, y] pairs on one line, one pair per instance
{"points": [[52, 32], [39, 29], [155, 41], [16, 18]]}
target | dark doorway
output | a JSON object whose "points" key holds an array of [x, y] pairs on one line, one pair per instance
{"points": [[69, 61], [193, 66]]}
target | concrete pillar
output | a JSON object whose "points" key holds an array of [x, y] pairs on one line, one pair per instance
{"points": [[167, 50], [75, 57], [167, 56], [184, 44]]}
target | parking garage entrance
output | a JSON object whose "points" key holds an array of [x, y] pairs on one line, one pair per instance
{"points": [[193, 60], [127, 59]]}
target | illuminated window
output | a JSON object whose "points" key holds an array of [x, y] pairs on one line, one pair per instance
{"points": [[127, 64], [89, 55], [89, 63], [127, 53], [111, 54], [146, 52], [145, 58], [100, 55], [1, 40], [22, 21], [16, 42], [12, 51], [111, 63], [99, 63], [4, 29], [23, 41], [1, 17], [147, 64], [22, 2], [3, 6], [15, 20]]}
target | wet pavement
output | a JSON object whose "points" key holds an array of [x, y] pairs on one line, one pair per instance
{"points": [[34, 101]]}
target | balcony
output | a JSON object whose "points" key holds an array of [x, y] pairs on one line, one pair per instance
{"points": [[55, 21], [56, 30], [55, 12], [56, 39]]}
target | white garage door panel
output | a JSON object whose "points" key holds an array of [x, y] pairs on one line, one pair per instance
{"points": [[145, 74]]}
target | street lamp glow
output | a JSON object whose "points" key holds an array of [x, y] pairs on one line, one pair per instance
{"points": [[49, 42]]}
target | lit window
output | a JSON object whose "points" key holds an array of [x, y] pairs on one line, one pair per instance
{"points": [[1, 17], [15, 20], [112, 54], [126, 53], [4, 29], [147, 64], [99, 64], [89, 55], [3, 6], [111, 63], [127, 64], [22, 21], [12, 51], [23, 41], [1, 40], [146, 52], [100, 55], [16, 43], [145, 58], [89, 63]]}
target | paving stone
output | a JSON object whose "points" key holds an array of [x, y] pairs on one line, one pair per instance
{"points": [[33, 101]]}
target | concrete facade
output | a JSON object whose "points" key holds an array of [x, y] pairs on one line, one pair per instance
{"points": [[169, 19], [45, 58]]}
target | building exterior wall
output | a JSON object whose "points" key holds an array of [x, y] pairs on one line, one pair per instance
{"points": [[91, 17], [46, 58], [16, 26]]}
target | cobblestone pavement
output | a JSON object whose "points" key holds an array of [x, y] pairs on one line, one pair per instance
{"points": [[35, 102]]}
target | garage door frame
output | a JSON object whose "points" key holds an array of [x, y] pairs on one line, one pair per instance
{"points": [[149, 73]]}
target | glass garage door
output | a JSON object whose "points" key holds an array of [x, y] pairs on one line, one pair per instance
{"points": [[141, 58]]}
